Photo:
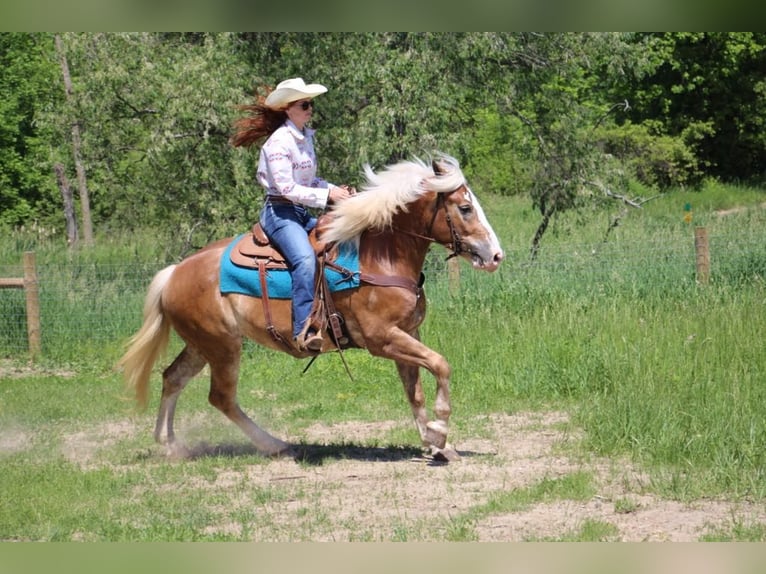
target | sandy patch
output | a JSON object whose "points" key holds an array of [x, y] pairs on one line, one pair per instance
{"points": [[350, 485]]}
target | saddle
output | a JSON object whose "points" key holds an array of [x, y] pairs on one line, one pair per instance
{"points": [[255, 251]]}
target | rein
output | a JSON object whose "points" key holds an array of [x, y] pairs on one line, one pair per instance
{"points": [[455, 246]]}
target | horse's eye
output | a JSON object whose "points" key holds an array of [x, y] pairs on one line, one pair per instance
{"points": [[465, 210]]}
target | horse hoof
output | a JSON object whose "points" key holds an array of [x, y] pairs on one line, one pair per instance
{"points": [[436, 434], [177, 451], [287, 451], [446, 454]]}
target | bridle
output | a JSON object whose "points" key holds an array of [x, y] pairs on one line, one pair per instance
{"points": [[456, 246]]}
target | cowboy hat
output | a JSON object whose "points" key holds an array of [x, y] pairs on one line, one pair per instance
{"points": [[292, 90]]}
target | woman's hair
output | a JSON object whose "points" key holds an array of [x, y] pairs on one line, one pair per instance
{"points": [[258, 123]]}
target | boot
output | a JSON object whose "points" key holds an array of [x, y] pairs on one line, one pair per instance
{"points": [[312, 341]]}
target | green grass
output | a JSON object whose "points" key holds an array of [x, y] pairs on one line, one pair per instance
{"points": [[575, 486], [648, 363], [738, 531], [589, 531], [675, 382]]}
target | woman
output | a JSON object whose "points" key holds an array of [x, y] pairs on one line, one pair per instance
{"points": [[287, 170]]}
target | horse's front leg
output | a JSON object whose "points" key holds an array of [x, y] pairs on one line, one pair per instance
{"points": [[410, 376], [410, 354]]}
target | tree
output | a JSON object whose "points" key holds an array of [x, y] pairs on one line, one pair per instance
{"points": [[524, 113], [709, 88], [27, 85], [156, 111], [82, 183], [560, 101]]}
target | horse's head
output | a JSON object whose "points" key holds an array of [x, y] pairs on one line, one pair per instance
{"points": [[458, 221], [429, 202]]}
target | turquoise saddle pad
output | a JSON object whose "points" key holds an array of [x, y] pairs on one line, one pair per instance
{"points": [[245, 281]]}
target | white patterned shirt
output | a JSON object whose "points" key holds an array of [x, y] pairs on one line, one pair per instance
{"points": [[287, 167]]}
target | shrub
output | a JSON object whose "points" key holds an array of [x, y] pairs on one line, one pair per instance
{"points": [[655, 160]]}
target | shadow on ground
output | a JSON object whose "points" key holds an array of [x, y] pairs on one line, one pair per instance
{"points": [[314, 454]]}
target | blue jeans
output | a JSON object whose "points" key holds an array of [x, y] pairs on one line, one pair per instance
{"points": [[287, 227]]}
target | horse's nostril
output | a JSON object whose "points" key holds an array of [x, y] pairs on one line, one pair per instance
{"points": [[499, 257]]}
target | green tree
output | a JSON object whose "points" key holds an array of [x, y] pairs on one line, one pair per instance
{"points": [[709, 88], [558, 94], [27, 88], [156, 111], [531, 113]]}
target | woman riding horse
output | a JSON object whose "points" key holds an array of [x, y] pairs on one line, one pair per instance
{"points": [[287, 169], [394, 220]]}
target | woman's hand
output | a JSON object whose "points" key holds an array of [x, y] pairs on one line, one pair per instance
{"points": [[339, 193]]}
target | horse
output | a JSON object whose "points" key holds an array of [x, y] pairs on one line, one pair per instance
{"points": [[398, 213]]}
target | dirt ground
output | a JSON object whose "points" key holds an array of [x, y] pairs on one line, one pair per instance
{"points": [[522, 450], [345, 490]]}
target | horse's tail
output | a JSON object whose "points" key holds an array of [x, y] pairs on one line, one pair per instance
{"points": [[149, 342]]}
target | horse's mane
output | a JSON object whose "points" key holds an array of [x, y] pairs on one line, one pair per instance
{"points": [[388, 192]]}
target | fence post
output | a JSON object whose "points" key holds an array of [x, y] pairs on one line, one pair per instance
{"points": [[33, 303], [453, 268], [702, 251]]}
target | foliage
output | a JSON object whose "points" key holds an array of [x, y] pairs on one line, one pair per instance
{"points": [[155, 127], [562, 110], [659, 161], [716, 79], [501, 154], [27, 89], [525, 113]]}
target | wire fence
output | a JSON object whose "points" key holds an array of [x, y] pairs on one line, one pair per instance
{"points": [[90, 309]]}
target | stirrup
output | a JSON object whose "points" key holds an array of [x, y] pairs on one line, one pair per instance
{"points": [[311, 342]]}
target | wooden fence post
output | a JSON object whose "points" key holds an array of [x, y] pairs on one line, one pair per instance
{"points": [[29, 284], [453, 268], [702, 251], [33, 303]]}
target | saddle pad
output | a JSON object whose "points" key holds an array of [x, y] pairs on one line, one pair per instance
{"points": [[245, 281]]}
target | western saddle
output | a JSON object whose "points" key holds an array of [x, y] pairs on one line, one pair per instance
{"points": [[255, 251]]}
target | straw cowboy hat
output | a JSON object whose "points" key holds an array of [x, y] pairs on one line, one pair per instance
{"points": [[292, 90]]}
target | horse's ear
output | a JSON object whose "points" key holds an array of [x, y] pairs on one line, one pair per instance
{"points": [[438, 170]]}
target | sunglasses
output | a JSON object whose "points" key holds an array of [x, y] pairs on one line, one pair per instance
{"points": [[306, 105]]}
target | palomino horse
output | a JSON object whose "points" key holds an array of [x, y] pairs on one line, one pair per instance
{"points": [[394, 219]]}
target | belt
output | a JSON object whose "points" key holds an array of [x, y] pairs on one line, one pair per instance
{"points": [[279, 199]]}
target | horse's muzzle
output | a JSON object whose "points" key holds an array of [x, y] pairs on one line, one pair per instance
{"points": [[489, 263]]}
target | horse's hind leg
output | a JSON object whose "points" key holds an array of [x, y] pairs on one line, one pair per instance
{"points": [[224, 374], [185, 366]]}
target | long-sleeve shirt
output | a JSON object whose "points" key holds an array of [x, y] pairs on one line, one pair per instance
{"points": [[287, 167]]}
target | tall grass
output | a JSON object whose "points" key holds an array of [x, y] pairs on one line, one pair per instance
{"points": [[650, 363], [88, 297]]}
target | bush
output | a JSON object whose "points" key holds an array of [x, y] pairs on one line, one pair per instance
{"points": [[655, 160]]}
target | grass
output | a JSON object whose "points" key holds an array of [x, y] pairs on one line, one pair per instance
{"points": [[650, 364], [575, 486], [590, 530], [739, 531], [671, 382]]}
